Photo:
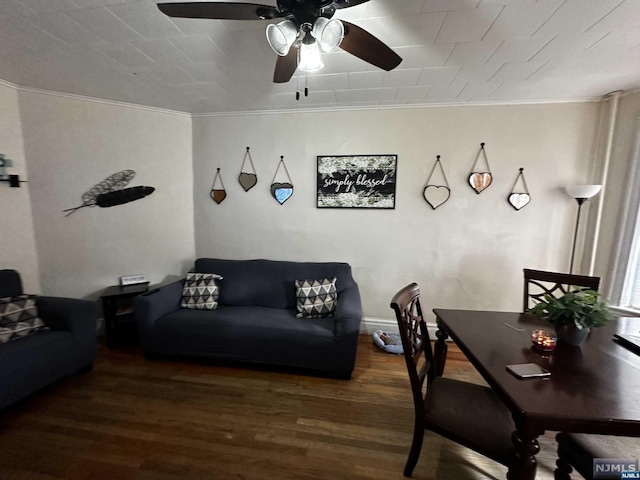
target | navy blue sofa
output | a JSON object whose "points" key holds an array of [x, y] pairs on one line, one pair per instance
{"points": [[33, 362], [256, 318]]}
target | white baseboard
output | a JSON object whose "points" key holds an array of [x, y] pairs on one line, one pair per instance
{"points": [[370, 324]]}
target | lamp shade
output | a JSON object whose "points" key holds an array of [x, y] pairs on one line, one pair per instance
{"points": [[310, 57], [281, 36], [583, 191], [328, 33]]}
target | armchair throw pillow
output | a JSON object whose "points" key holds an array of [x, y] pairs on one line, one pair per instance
{"points": [[201, 291], [19, 317], [316, 298]]}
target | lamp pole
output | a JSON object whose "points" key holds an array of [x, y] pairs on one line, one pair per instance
{"points": [[575, 234]]}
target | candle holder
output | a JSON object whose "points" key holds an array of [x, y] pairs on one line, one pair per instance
{"points": [[544, 340]]}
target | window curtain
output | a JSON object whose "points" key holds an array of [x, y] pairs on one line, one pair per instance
{"points": [[626, 248]]}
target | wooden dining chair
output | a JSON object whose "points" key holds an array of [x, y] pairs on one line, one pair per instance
{"points": [[538, 283], [469, 414], [578, 450]]}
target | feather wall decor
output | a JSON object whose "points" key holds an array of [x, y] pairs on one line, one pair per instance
{"points": [[109, 192]]}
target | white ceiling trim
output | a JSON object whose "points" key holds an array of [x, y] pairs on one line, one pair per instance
{"points": [[399, 107], [13, 86], [102, 101], [497, 103]]}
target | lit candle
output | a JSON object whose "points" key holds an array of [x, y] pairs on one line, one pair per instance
{"points": [[543, 340]]}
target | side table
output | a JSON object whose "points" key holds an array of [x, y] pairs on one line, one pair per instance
{"points": [[119, 320]]}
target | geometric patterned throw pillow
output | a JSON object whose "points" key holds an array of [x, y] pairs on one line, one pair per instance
{"points": [[201, 291], [19, 317], [316, 298]]}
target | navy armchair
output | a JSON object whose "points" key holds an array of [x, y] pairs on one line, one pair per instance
{"points": [[30, 363]]}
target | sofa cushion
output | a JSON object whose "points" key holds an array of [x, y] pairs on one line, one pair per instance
{"points": [[243, 333], [316, 298], [201, 291], [269, 283], [19, 317]]}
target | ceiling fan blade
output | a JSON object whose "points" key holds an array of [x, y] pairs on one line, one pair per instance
{"points": [[219, 10], [286, 66], [365, 46], [347, 3]]}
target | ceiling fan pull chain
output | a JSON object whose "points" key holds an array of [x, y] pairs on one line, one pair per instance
{"points": [[298, 77], [306, 84]]}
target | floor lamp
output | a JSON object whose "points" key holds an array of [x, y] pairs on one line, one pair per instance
{"points": [[581, 193]]}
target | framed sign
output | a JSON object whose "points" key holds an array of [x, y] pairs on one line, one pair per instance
{"points": [[357, 181]]}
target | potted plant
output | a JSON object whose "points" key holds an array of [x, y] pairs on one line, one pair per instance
{"points": [[574, 314]]}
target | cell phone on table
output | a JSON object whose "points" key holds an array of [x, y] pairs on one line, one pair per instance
{"points": [[528, 370]]}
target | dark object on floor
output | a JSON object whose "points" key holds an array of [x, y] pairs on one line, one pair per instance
{"points": [[255, 320], [33, 362], [578, 450], [469, 414]]}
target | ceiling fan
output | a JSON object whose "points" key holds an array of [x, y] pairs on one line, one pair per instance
{"points": [[307, 29]]}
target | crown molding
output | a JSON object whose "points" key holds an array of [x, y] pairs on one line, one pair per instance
{"points": [[13, 86], [101, 101], [351, 108], [355, 108]]}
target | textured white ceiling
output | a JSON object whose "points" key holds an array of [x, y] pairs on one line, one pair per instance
{"points": [[454, 51]]}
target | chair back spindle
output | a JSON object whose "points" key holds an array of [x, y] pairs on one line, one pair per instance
{"points": [[538, 283], [416, 343]]}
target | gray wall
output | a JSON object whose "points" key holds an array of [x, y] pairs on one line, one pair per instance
{"points": [[73, 144], [469, 253], [17, 239]]}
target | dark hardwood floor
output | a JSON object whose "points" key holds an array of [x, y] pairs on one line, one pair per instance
{"points": [[135, 418]]}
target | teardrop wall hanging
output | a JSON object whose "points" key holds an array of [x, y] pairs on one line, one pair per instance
{"points": [[435, 195], [248, 180], [282, 191], [218, 194], [521, 199], [479, 180]]}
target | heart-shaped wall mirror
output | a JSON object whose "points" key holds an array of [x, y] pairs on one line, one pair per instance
{"points": [[480, 180], [218, 194], [248, 180], [435, 194], [282, 191], [520, 198]]}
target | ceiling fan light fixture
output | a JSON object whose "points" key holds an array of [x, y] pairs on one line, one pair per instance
{"points": [[329, 33], [281, 36], [310, 55]]}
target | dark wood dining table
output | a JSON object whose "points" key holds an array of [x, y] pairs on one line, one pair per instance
{"points": [[594, 388]]}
